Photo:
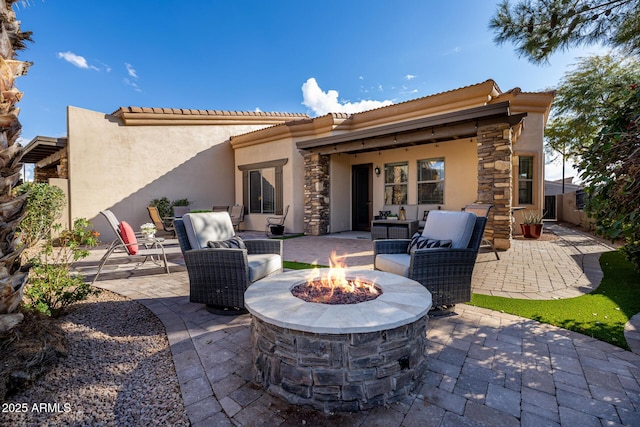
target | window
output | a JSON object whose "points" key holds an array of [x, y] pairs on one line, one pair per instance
{"points": [[395, 183], [431, 181], [525, 180], [262, 194], [262, 187]]}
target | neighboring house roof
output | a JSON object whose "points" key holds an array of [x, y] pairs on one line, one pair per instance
{"points": [[143, 116], [43, 150], [551, 188]]}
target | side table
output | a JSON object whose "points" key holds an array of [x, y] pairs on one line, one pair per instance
{"points": [[393, 229]]}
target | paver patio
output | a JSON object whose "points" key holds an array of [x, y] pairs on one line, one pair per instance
{"points": [[485, 367]]}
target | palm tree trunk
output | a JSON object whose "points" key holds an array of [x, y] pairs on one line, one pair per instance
{"points": [[12, 277]]}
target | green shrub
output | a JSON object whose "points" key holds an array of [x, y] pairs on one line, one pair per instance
{"points": [[44, 206], [52, 286], [180, 202]]}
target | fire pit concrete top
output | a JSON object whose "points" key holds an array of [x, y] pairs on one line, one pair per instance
{"points": [[402, 301]]}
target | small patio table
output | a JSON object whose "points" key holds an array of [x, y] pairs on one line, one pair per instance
{"points": [[393, 229]]}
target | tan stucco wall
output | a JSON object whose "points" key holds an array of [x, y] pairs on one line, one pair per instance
{"points": [[460, 185], [122, 168], [293, 182], [529, 143], [63, 184]]}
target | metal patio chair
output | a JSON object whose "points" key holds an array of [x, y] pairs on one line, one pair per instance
{"points": [[237, 216], [277, 222], [160, 224], [483, 210], [132, 244]]}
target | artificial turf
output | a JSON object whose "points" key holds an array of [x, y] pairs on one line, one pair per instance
{"points": [[294, 265], [601, 314]]}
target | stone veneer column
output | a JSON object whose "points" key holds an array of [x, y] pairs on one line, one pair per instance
{"points": [[316, 194], [495, 180]]}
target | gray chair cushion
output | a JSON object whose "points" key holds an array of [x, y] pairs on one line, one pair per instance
{"points": [[204, 227], [393, 263], [449, 225], [262, 265]]}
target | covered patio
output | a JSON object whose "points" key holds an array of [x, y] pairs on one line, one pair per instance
{"points": [[493, 127]]}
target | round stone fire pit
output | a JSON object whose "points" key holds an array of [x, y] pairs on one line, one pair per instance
{"points": [[339, 357]]}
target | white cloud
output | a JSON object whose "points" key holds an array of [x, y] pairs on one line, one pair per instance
{"points": [[131, 83], [131, 71], [453, 51], [76, 60], [105, 67], [409, 77], [322, 103]]}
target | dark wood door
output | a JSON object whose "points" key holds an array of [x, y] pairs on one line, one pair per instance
{"points": [[361, 197]]}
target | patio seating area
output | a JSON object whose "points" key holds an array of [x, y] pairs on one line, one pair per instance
{"points": [[484, 367]]}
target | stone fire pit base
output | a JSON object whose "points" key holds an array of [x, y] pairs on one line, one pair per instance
{"points": [[344, 372], [342, 357]]}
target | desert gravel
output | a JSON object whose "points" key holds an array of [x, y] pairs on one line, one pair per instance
{"points": [[118, 372]]}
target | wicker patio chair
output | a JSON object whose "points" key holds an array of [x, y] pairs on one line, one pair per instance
{"points": [[218, 277], [445, 272]]}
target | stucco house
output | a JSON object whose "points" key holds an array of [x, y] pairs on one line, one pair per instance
{"points": [[335, 172]]}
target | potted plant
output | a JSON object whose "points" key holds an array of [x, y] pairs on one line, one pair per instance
{"points": [[180, 207], [277, 229], [531, 224], [148, 230], [392, 217]]}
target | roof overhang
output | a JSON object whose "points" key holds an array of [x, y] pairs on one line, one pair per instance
{"points": [[44, 150], [426, 130]]}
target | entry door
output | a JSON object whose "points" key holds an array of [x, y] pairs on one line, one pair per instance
{"points": [[361, 197]]}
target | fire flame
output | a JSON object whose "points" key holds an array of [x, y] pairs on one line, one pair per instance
{"points": [[336, 278]]}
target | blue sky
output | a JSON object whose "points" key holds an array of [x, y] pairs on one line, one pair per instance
{"points": [[284, 56]]}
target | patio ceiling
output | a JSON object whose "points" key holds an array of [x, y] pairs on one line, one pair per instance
{"points": [[426, 130], [43, 148]]}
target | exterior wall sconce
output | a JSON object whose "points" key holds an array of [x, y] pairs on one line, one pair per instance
{"points": [[377, 170]]}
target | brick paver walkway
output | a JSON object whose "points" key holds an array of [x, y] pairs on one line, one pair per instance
{"points": [[485, 368]]}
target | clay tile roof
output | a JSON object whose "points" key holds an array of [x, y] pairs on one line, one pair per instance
{"points": [[158, 116]]}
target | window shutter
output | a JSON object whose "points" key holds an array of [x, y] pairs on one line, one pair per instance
{"points": [[279, 190], [245, 190]]}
